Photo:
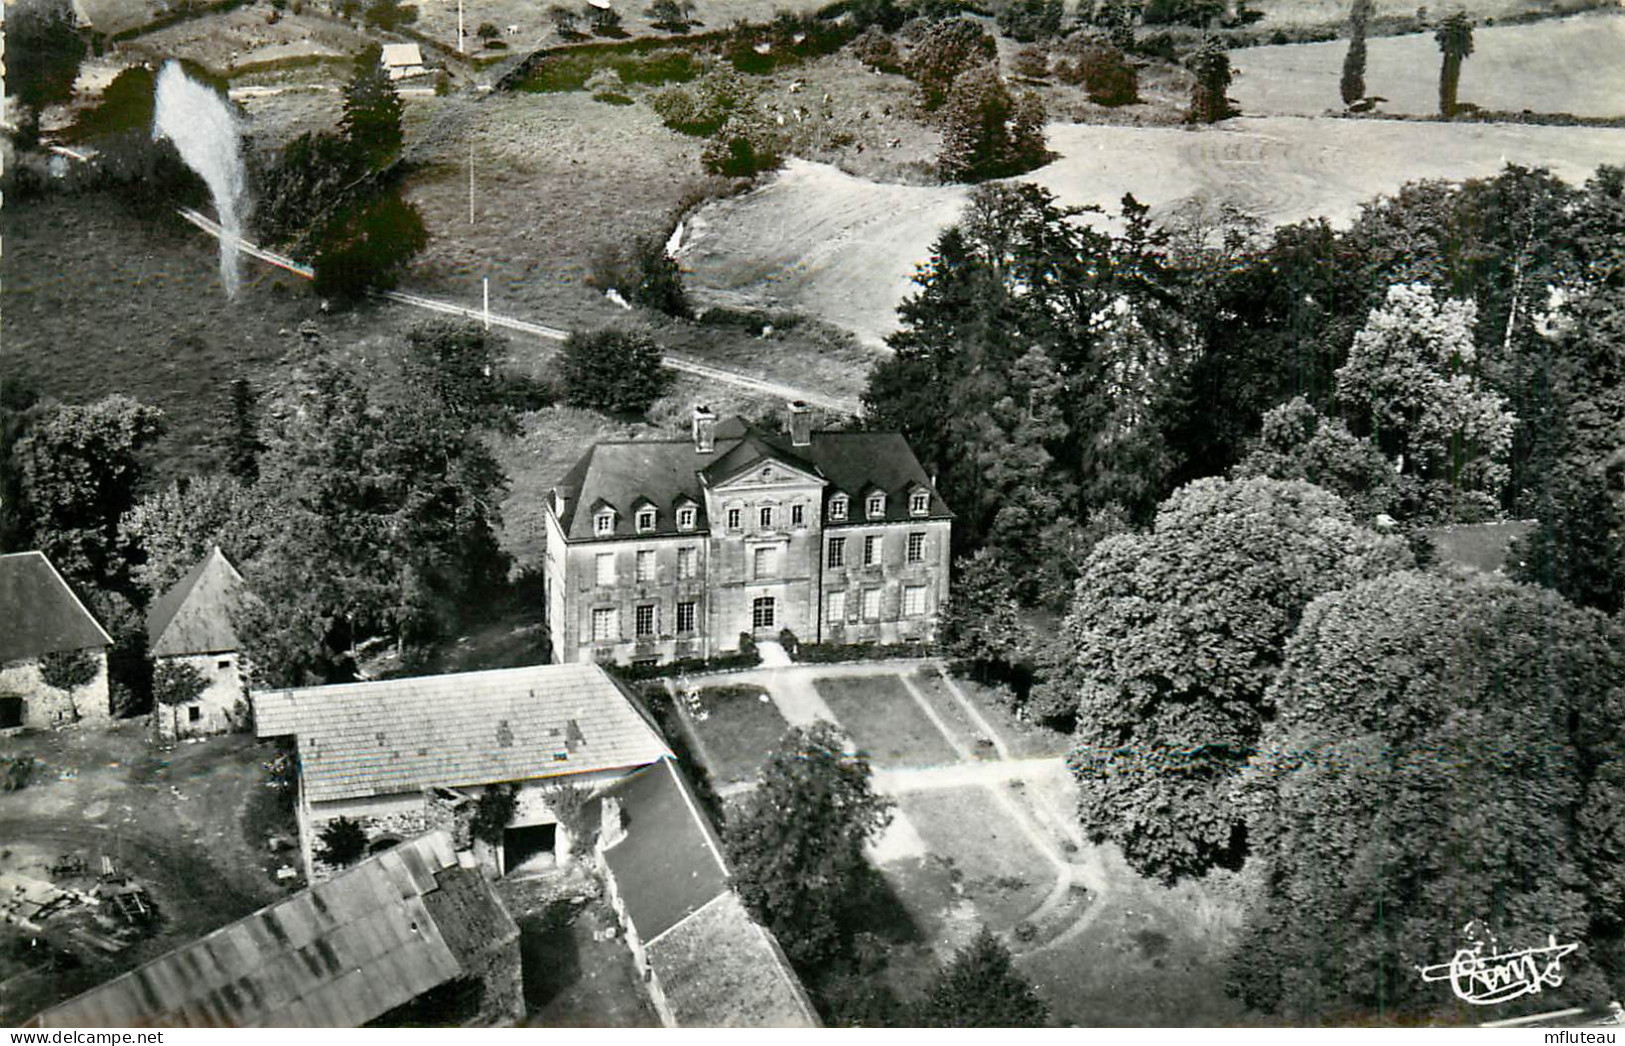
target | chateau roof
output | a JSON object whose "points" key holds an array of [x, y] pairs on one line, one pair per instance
{"points": [[41, 613], [458, 730], [619, 474], [194, 616]]}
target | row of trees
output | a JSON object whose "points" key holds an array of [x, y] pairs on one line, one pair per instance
{"points": [[1454, 35]]}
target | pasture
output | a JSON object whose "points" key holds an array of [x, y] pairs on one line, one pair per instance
{"points": [[1571, 65], [845, 249]]}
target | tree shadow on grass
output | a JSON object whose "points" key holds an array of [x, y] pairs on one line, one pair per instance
{"points": [[550, 959]]}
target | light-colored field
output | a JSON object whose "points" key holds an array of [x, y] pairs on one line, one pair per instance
{"points": [[845, 249], [1336, 12], [1573, 65]]}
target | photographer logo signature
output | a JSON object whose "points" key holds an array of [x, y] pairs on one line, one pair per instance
{"points": [[1485, 979]]}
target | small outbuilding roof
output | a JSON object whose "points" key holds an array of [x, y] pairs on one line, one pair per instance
{"points": [[398, 56], [458, 730], [41, 614], [194, 616], [336, 955]]}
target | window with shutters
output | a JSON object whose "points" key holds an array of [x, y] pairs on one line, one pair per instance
{"points": [[687, 558], [837, 552], [767, 562], [685, 619], [871, 604], [914, 601], [916, 547], [871, 550], [606, 625], [835, 607], [605, 568], [646, 565], [644, 619], [761, 612]]}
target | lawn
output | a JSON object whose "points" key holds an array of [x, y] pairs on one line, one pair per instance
{"points": [[1570, 65], [930, 684], [996, 867], [884, 720], [740, 726], [1025, 740]]}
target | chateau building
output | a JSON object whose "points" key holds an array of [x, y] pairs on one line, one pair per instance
{"points": [[674, 549]]}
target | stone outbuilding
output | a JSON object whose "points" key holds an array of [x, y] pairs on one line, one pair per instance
{"points": [[192, 624], [47, 633]]}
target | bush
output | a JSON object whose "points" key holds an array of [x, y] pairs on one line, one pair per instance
{"points": [[1028, 20], [947, 50], [612, 98], [493, 812], [366, 246], [831, 653], [1032, 62], [643, 273], [745, 146], [613, 370], [1109, 77], [343, 841], [569, 805], [986, 133], [690, 665], [14, 773], [487, 31], [69, 669], [875, 49]]}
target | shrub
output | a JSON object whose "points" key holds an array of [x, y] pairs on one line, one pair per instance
{"points": [[1109, 77], [14, 773], [612, 98], [569, 805], [604, 21], [745, 146], [986, 133], [493, 812], [875, 49], [832, 653], [566, 21], [487, 31], [947, 50], [69, 669], [642, 272], [613, 370], [690, 665], [343, 841], [1032, 62], [1028, 20], [366, 246]]}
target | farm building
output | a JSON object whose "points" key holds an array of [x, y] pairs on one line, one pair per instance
{"points": [[191, 624], [706, 961], [660, 550], [409, 936], [403, 61], [48, 635], [400, 756]]}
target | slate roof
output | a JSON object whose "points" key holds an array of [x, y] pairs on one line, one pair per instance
{"points": [[194, 616], [336, 955], [717, 966], [458, 730], [41, 614], [618, 474]]}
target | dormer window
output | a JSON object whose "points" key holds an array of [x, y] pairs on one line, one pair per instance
{"points": [[646, 519], [604, 523], [837, 507], [919, 503], [876, 505], [685, 518]]}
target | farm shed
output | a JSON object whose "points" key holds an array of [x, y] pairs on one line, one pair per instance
{"points": [[400, 756], [191, 624], [46, 622], [708, 964], [403, 61], [413, 926]]}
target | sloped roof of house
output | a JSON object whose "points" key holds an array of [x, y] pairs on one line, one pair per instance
{"points": [[41, 613], [619, 473], [458, 730], [397, 56], [194, 616], [717, 966], [336, 955]]}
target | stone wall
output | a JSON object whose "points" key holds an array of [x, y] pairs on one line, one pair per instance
{"points": [[45, 707], [220, 709]]}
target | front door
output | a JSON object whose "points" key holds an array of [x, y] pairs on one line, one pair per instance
{"points": [[764, 614]]}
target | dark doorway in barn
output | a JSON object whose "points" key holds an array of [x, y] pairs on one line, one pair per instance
{"points": [[11, 711], [529, 848]]}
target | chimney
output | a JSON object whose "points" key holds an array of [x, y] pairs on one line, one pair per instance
{"points": [[611, 824], [800, 424], [705, 430], [561, 501]]}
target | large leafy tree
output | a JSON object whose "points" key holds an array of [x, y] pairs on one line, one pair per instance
{"points": [[980, 988], [173, 528], [987, 132], [366, 244], [948, 48], [1455, 39], [797, 843], [613, 370], [1445, 751], [1172, 641], [1210, 101], [43, 52]]}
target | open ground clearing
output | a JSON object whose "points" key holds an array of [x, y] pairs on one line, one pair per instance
{"points": [[845, 249], [1571, 65], [1335, 13]]}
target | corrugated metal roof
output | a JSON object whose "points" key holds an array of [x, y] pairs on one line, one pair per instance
{"points": [[336, 955], [194, 616], [458, 730], [41, 614]]}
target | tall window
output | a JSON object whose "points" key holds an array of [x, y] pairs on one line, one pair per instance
{"points": [[686, 559], [837, 552], [871, 550], [603, 523], [913, 600], [766, 562], [798, 515], [871, 604], [606, 625], [646, 564], [644, 618], [646, 519], [835, 607], [733, 519], [837, 507], [685, 518], [767, 516], [916, 547], [604, 566], [685, 619], [919, 503], [877, 505], [761, 612]]}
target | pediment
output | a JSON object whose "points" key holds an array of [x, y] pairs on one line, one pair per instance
{"points": [[767, 473]]}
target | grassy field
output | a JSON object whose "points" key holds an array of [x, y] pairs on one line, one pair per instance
{"points": [[998, 869], [884, 721], [931, 686], [845, 249], [1572, 65], [1025, 740], [740, 727]]}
